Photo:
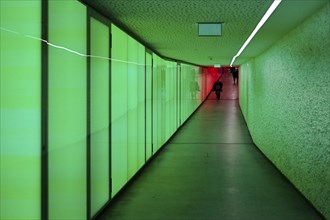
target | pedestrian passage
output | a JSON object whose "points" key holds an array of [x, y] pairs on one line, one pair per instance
{"points": [[211, 169]]}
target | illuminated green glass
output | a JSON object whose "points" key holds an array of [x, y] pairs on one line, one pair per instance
{"points": [[136, 102], [195, 87], [20, 109], [168, 91], [184, 95], [189, 94], [178, 97], [132, 101], [128, 101], [67, 110], [158, 92], [154, 102], [119, 105], [150, 99], [202, 89], [141, 127], [148, 105], [99, 114], [165, 100], [170, 98]]}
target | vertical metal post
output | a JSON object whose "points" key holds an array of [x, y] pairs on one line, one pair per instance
{"points": [[44, 111], [88, 124]]}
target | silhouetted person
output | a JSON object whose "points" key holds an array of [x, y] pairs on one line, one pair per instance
{"points": [[217, 88], [234, 72]]}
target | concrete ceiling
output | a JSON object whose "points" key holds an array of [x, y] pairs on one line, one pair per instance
{"points": [[169, 27]]}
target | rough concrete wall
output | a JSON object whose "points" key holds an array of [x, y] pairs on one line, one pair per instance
{"points": [[285, 98]]}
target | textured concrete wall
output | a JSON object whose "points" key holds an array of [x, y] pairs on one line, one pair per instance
{"points": [[285, 99]]}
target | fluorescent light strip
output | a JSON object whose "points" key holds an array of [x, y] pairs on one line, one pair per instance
{"points": [[261, 22]]}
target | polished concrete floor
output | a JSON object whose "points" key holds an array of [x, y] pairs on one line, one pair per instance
{"points": [[211, 170]]}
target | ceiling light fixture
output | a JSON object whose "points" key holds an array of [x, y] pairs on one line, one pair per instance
{"points": [[209, 29], [261, 22]]}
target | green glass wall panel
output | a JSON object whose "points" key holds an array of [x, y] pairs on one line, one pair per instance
{"points": [[129, 64], [148, 105], [167, 98], [155, 101], [132, 97], [20, 109], [99, 101], [162, 103], [159, 77], [184, 92], [190, 87], [165, 101], [174, 97], [178, 95], [67, 110], [119, 107], [141, 125], [198, 85], [170, 98]]}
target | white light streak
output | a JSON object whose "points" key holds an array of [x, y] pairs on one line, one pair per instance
{"points": [[67, 49]]}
